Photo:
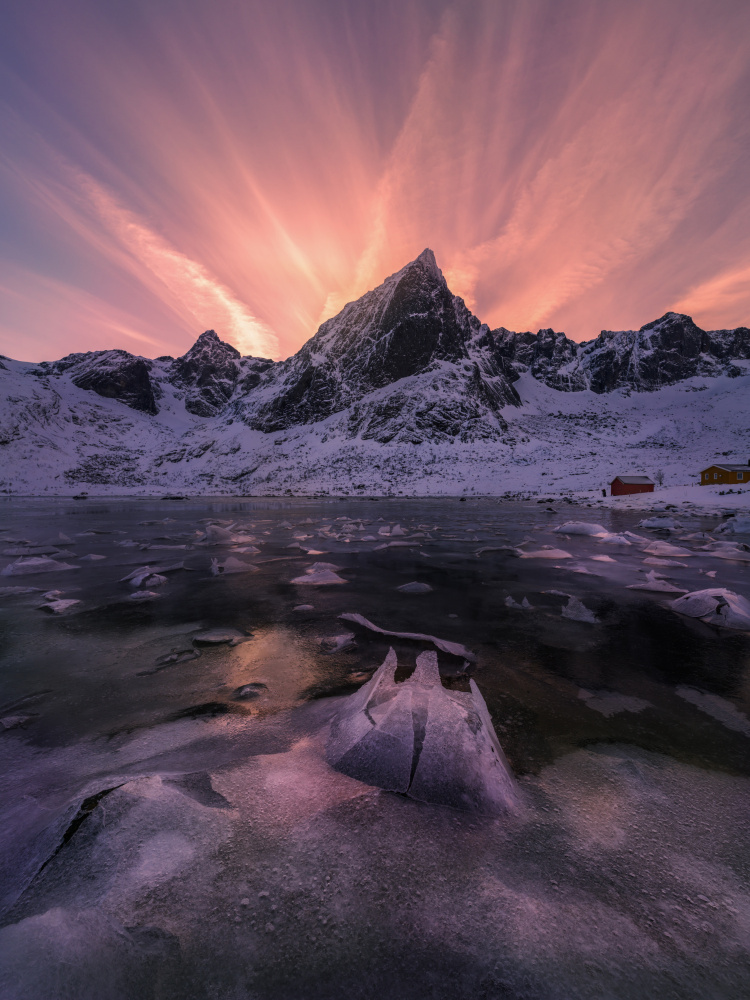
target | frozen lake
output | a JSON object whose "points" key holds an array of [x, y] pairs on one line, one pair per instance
{"points": [[170, 827]]}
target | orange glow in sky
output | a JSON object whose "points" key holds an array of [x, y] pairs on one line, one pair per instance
{"points": [[168, 167]]}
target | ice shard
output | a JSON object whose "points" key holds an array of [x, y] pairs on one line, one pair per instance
{"points": [[420, 739]]}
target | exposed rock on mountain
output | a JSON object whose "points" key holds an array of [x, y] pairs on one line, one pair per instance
{"points": [[114, 374], [544, 354], [411, 325], [662, 352], [403, 391], [211, 372]]}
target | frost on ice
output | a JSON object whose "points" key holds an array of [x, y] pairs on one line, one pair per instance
{"points": [[716, 606], [420, 739]]}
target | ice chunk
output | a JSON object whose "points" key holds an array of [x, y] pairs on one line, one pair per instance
{"points": [[607, 559], [667, 549], [231, 565], [91, 557], [609, 702], [578, 612], [35, 564], [319, 575], [57, 607], [656, 584], [13, 591], [656, 561], [143, 595], [414, 588], [454, 648], [510, 602], [615, 540], [397, 530], [385, 530], [436, 746], [661, 521], [248, 692], [738, 524], [246, 550], [304, 607], [716, 606], [217, 636], [581, 528], [545, 553]]}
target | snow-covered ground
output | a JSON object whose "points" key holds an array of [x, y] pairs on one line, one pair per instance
{"points": [[58, 439]]}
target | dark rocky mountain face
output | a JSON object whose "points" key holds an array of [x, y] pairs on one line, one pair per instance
{"points": [[114, 374], [209, 372], [544, 354], [661, 353], [410, 325], [409, 362]]}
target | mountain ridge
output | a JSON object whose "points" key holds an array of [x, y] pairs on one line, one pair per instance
{"points": [[404, 379]]}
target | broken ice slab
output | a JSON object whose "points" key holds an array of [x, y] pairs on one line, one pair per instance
{"points": [[417, 738], [217, 636], [58, 606], [576, 611], [581, 528], [716, 606], [667, 549], [656, 584], [738, 524], [230, 566], [453, 648], [319, 575], [35, 564], [545, 553]]}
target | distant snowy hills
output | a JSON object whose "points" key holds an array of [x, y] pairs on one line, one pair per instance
{"points": [[404, 391]]}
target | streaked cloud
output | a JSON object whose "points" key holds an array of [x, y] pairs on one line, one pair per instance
{"points": [[252, 167]]}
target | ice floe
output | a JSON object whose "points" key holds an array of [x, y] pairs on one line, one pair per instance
{"points": [[667, 549], [320, 574], [656, 584], [544, 553], [610, 703], [232, 565], [422, 740], [738, 524], [581, 528], [35, 564], [716, 606]]}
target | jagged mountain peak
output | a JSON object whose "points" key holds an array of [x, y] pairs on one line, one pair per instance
{"points": [[669, 319], [210, 342]]}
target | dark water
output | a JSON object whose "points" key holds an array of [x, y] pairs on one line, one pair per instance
{"points": [[144, 800]]}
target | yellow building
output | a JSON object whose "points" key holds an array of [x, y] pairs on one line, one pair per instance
{"points": [[725, 474]]}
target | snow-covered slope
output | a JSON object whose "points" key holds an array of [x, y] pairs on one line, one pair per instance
{"points": [[405, 391]]}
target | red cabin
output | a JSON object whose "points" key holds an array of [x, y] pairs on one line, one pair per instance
{"points": [[622, 485]]}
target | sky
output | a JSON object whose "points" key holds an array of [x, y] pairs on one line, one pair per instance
{"points": [[170, 166]]}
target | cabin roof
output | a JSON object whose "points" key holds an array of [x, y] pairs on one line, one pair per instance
{"points": [[729, 467], [634, 480]]}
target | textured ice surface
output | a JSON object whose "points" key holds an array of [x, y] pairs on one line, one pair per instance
{"points": [[415, 737], [716, 606]]}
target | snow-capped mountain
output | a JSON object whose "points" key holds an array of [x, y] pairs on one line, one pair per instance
{"points": [[405, 390]]}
